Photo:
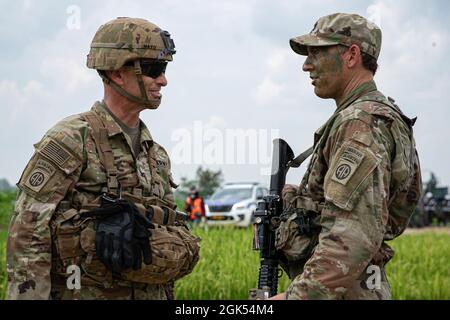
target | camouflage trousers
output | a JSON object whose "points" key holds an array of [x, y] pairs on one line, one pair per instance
{"points": [[369, 288], [119, 291]]}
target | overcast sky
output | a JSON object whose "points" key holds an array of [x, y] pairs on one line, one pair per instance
{"points": [[233, 76]]}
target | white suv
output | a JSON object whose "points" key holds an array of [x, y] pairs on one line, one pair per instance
{"points": [[234, 204]]}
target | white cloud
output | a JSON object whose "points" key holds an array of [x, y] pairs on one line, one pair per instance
{"points": [[18, 102], [69, 74], [379, 12], [267, 90], [9, 91], [8, 87], [277, 61], [33, 87], [27, 4], [271, 86]]}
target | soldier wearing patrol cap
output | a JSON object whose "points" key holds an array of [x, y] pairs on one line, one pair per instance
{"points": [[363, 181], [95, 216]]}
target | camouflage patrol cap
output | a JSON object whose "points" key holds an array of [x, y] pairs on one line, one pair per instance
{"points": [[124, 39], [341, 28]]}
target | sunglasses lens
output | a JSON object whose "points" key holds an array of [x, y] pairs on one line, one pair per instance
{"points": [[153, 69]]}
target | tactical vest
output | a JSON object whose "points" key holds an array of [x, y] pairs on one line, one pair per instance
{"points": [[405, 192], [174, 249]]}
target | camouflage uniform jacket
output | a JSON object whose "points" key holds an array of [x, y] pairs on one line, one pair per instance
{"points": [[369, 185], [66, 169]]}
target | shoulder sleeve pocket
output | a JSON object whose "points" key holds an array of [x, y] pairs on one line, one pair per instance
{"points": [[348, 174], [51, 163]]}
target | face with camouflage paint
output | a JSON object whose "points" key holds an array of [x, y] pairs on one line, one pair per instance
{"points": [[326, 69]]}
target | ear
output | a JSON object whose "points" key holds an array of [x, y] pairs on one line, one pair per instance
{"points": [[354, 56], [116, 76]]}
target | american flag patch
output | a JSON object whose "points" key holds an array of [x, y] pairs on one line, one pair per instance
{"points": [[54, 151]]}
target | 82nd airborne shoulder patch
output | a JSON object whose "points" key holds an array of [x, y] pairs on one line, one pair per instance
{"points": [[40, 175], [348, 174], [348, 163]]}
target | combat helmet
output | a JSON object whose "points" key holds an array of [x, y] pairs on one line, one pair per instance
{"points": [[122, 40]]}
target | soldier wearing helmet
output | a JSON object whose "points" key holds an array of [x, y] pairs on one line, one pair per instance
{"points": [[138, 47], [363, 181], [95, 208]]}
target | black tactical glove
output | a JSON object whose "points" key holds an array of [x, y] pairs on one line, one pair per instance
{"points": [[141, 240], [122, 236]]}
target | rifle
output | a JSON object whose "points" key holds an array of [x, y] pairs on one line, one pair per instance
{"points": [[267, 211]]}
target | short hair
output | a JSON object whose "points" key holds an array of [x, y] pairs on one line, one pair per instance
{"points": [[370, 63]]}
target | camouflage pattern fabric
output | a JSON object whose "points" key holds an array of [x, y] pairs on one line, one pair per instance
{"points": [[124, 39], [359, 172], [66, 169], [341, 28]]}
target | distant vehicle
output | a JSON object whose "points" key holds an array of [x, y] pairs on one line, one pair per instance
{"points": [[433, 207], [234, 204]]}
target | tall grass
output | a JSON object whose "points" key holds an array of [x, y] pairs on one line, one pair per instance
{"points": [[228, 267], [6, 209], [3, 278], [421, 267]]}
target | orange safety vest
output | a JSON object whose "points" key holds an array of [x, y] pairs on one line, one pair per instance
{"points": [[196, 207]]}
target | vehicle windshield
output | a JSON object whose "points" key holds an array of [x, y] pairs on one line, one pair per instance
{"points": [[234, 194]]}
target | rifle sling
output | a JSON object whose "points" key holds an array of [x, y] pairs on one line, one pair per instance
{"points": [[295, 163]]}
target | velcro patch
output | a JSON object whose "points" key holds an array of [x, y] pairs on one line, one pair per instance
{"points": [[348, 163], [349, 170], [40, 175], [56, 152]]}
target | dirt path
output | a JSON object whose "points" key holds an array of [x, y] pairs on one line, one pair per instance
{"points": [[445, 230]]}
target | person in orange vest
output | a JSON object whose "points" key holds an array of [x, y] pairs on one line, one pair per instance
{"points": [[195, 206]]}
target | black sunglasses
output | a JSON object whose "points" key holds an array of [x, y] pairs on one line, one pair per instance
{"points": [[149, 68]]}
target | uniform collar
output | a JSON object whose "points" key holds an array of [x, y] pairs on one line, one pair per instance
{"points": [[357, 93], [361, 90], [113, 127]]}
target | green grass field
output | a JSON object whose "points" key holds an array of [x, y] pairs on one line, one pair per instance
{"points": [[229, 267], [420, 269], [6, 209], [3, 279]]}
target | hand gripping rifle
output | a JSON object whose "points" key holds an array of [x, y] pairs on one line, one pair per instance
{"points": [[268, 209]]}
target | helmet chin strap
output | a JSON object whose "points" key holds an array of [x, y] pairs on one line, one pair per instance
{"points": [[143, 99], [153, 103]]}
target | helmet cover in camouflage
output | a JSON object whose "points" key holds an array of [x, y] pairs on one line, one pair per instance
{"points": [[124, 39], [341, 28]]}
